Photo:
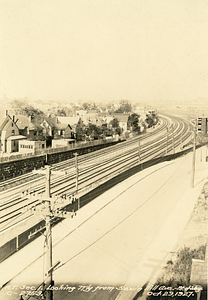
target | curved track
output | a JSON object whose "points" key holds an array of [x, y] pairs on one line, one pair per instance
{"points": [[24, 192]]}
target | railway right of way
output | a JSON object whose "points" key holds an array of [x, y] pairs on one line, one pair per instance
{"points": [[94, 169]]}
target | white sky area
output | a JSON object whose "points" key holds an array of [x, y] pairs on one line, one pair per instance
{"points": [[101, 50]]}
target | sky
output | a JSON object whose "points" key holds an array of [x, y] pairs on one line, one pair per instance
{"points": [[104, 50]]}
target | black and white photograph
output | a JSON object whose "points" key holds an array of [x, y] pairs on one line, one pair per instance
{"points": [[103, 149]]}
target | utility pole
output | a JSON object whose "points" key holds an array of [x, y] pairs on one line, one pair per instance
{"points": [[77, 171], [48, 182], [194, 158], [49, 213], [49, 281], [77, 178]]}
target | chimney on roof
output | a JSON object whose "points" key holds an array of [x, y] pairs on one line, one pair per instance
{"points": [[6, 112], [13, 118]]}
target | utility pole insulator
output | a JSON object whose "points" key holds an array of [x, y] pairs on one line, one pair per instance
{"points": [[49, 209]]}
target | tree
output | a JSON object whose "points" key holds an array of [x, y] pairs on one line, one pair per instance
{"points": [[80, 133], [115, 126], [94, 131], [61, 112], [19, 106], [85, 106], [133, 123], [22, 107], [125, 107], [151, 120], [114, 123], [106, 131]]}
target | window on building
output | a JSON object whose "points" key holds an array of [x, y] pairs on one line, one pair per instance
{"points": [[13, 131]]}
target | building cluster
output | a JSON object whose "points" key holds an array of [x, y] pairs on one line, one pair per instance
{"points": [[19, 134]]}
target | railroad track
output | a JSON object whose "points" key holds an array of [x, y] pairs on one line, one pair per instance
{"points": [[93, 167]]}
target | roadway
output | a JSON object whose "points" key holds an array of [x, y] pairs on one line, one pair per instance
{"points": [[118, 243]]}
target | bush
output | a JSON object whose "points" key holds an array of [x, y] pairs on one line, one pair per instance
{"points": [[200, 209], [178, 272]]}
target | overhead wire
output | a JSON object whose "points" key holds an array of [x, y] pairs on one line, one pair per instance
{"points": [[119, 223], [106, 233]]}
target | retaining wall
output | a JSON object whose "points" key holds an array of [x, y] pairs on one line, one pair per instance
{"points": [[15, 168]]}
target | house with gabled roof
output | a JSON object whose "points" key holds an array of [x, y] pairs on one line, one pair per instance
{"points": [[27, 128], [54, 128], [74, 123], [69, 120], [81, 112], [122, 120], [63, 131], [85, 121], [10, 135], [94, 119], [48, 126]]}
